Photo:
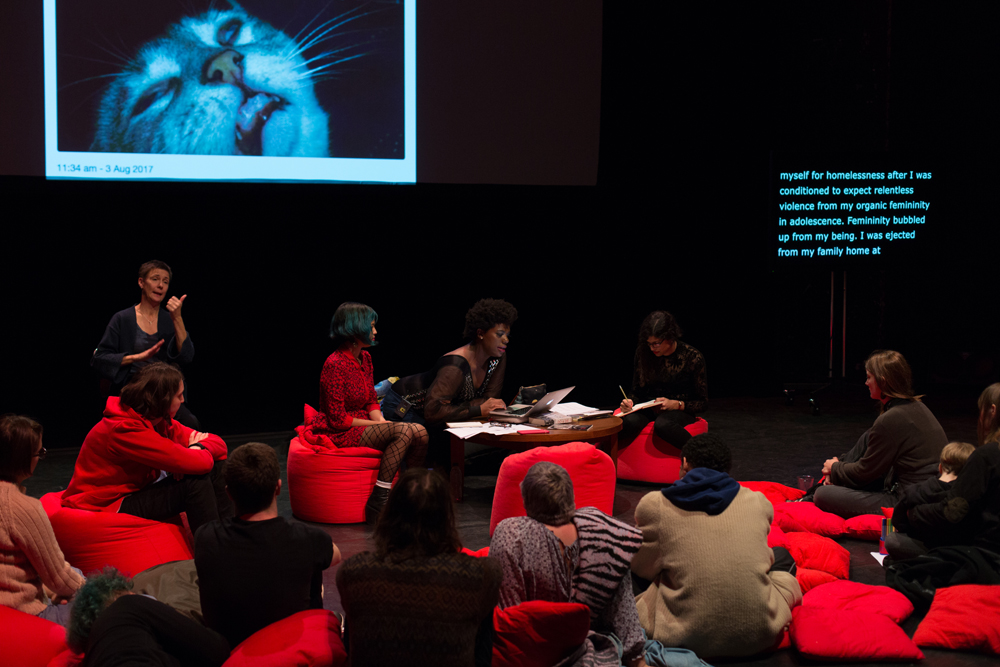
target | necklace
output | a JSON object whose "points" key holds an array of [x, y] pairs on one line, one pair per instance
{"points": [[151, 321]]}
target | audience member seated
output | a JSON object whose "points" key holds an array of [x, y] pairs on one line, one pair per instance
{"points": [[562, 554], [34, 576], [113, 626], [145, 333], [464, 383], [258, 568], [970, 512], [672, 373], [909, 541], [349, 411], [138, 460], [900, 449], [714, 586], [416, 600]]}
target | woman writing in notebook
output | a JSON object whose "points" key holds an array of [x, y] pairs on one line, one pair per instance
{"points": [[464, 383], [669, 372]]}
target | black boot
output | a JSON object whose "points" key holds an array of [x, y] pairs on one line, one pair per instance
{"points": [[376, 501]]}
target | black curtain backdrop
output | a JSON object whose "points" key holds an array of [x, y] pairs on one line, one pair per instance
{"points": [[692, 102]]}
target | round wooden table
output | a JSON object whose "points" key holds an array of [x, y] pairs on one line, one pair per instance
{"points": [[603, 433]]}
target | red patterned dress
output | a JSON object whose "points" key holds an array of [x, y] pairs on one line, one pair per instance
{"points": [[346, 392]]}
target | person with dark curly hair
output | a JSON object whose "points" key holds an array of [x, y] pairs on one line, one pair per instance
{"points": [[711, 584], [672, 373], [464, 383], [113, 626], [416, 599]]}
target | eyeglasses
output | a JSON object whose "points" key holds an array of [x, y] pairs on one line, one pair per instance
{"points": [[658, 343], [41, 454]]}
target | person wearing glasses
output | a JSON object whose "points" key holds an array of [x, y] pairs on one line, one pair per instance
{"points": [[672, 373], [34, 577]]}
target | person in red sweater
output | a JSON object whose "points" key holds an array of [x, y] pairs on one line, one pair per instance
{"points": [[138, 460]]}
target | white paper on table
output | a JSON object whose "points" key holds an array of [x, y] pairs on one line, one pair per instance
{"points": [[571, 409], [464, 424], [466, 433], [879, 557]]}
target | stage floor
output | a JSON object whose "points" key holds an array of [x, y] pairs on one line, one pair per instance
{"points": [[770, 441]]}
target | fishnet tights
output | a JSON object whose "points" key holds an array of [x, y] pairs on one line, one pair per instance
{"points": [[398, 442]]}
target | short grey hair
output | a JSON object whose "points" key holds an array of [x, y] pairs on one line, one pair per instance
{"points": [[547, 491]]}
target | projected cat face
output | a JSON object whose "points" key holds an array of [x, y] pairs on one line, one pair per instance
{"points": [[224, 83]]}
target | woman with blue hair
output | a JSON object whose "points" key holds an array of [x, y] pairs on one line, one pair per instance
{"points": [[350, 415]]}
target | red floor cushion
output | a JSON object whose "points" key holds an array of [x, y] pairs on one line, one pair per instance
{"points": [[776, 537], [835, 634], [591, 470], [306, 639], [855, 596], [651, 459], [819, 553], [331, 485], [963, 617], [537, 633], [91, 540], [778, 494], [864, 527], [807, 518], [28, 641], [809, 579]]}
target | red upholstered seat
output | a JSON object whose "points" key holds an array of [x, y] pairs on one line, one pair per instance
{"points": [[650, 459], [331, 485], [91, 540], [306, 639], [591, 470], [28, 641]]}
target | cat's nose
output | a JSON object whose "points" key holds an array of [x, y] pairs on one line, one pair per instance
{"points": [[226, 67]]}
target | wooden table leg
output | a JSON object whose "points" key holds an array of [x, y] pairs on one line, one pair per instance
{"points": [[457, 468]]}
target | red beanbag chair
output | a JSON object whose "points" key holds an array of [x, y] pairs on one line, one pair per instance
{"points": [[331, 485], [306, 639], [809, 579], [819, 553], [29, 641], [807, 518], [651, 459], [482, 553], [855, 596], [538, 634], [864, 527], [91, 540], [776, 537], [778, 494], [591, 470], [833, 634], [963, 617]]}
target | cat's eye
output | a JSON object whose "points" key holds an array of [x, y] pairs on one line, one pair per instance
{"points": [[229, 31], [155, 93]]}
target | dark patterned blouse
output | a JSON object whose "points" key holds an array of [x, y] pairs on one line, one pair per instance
{"points": [[346, 392], [447, 393], [679, 376]]}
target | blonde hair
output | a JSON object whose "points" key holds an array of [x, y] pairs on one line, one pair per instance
{"points": [[892, 374], [988, 430], [954, 455]]}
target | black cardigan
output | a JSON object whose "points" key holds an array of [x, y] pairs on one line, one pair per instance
{"points": [[119, 341]]}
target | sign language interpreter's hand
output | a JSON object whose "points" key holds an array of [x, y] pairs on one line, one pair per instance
{"points": [[174, 306], [142, 356]]}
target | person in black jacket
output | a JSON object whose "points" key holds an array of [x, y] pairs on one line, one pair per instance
{"points": [[910, 541]]}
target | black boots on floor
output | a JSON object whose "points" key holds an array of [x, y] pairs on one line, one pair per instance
{"points": [[376, 501]]}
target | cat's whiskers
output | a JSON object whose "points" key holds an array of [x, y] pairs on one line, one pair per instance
{"points": [[91, 78], [316, 70], [313, 39]]}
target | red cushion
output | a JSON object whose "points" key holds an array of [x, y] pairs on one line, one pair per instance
{"points": [[591, 470], [648, 458], [776, 537], [809, 579], [776, 493], [855, 596], [807, 518], [864, 527], [482, 553], [28, 641], [963, 617], [834, 634], [67, 659], [306, 639], [91, 540], [819, 553], [538, 634], [331, 485]]}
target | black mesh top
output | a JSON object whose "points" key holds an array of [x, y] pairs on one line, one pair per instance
{"points": [[447, 393]]}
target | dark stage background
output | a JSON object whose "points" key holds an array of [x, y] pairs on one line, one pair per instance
{"points": [[692, 103]]}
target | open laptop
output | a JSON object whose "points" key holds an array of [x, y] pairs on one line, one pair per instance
{"points": [[518, 414]]}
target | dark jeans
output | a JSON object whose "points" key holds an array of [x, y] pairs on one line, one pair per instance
{"points": [[847, 502], [668, 426], [203, 497]]}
